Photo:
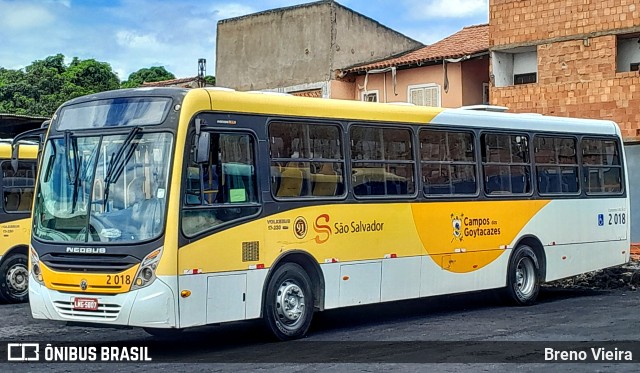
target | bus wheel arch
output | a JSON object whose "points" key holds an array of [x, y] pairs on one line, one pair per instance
{"points": [[14, 275], [293, 290], [524, 272], [537, 247]]}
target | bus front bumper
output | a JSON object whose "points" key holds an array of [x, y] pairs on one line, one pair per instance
{"points": [[152, 306]]}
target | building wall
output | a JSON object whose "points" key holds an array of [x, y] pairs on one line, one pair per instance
{"points": [[515, 22], [465, 83], [577, 53], [633, 164], [299, 45], [474, 73], [579, 81], [343, 90], [359, 39], [274, 49]]}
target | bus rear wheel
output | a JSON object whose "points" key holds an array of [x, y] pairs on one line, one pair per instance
{"points": [[523, 276], [14, 279], [288, 305]]}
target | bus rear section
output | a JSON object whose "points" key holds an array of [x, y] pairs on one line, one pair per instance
{"points": [[15, 223]]}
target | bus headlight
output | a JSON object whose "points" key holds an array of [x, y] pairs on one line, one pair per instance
{"points": [[147, 272], [36, 272]]}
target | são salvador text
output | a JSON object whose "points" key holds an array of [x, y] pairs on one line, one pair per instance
{"points": [[358, 226]]}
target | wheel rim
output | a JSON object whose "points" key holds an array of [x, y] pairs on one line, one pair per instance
{"points": [[525, 276], [290, 304], [18, 280]]}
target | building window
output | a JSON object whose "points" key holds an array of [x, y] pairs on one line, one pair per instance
{"points": [[516, 66], [424, 95], [485, 93], [525, 78], [628, 53], [370, 96]]}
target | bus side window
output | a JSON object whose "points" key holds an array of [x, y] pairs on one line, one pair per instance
{"points": [[222, 189], [17, 187]]}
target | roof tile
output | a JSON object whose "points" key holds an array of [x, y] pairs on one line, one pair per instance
{"points": [[469, 40]]}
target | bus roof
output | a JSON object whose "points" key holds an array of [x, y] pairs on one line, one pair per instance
{"points": [[227, 100], [243, 102]]}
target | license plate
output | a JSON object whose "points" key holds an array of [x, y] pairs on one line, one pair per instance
{"points": [[85, 304]]}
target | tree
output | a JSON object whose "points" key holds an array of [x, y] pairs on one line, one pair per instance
{"points": [[151, 74], [46, 84], [91, 73], [210, 80]]}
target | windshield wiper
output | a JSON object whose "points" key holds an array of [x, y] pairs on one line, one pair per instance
{"points": [[71, 150], [73, 166], [118, 162]]}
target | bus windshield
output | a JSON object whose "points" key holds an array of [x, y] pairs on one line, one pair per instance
{"points": [[109, 188]]}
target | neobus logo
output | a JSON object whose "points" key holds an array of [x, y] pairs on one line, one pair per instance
{"points": [[86, 250]]}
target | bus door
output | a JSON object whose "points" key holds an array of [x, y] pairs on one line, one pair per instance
{"points": [[221, 192]]}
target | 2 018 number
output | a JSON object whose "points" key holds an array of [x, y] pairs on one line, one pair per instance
{"points": [[119, 280], [615, 219]]}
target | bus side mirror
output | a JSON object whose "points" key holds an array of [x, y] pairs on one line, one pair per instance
{"points": [[37, 133], [202, 151]]}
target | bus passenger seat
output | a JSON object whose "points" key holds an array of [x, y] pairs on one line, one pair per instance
{"points": [[11, 199], [290, 181], [26, 198]]}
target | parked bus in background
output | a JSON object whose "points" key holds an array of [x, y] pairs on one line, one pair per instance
{"points": [[167, 208], [15, 223]]}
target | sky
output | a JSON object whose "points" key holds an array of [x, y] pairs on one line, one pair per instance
{"points": [[133, 34]]}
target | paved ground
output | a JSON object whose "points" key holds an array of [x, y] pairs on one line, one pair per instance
{"points": [[465, 332]]}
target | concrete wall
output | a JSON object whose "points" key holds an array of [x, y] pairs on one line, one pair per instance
{"points": [[502, 68], [633, 165], [359, 39], [299, 45], [524, 63], [628, 52], [465, 82], [274, 49]]}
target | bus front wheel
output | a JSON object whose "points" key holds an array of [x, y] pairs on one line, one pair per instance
{"points": [[288, 305], [523, 276], [14, 278]]}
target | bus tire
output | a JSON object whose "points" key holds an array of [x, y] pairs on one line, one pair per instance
{"points": [[288, 304], [523, 276], [14, 278]]}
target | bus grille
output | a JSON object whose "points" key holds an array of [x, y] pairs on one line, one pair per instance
{"points": [[104, 312], [88, 263]]}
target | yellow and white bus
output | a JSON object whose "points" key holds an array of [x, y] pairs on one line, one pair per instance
{"points": [[17, 196], [168, 209]]}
